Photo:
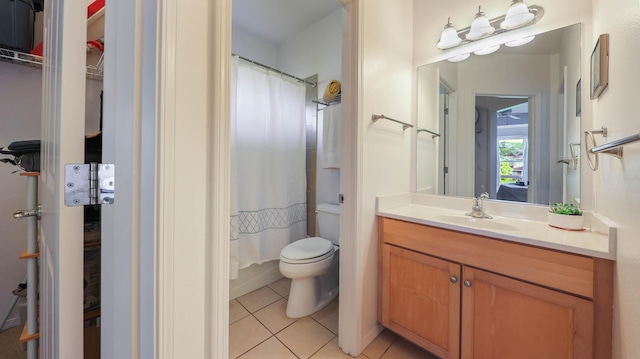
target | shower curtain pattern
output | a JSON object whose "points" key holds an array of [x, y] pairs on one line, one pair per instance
{"points": [[247, 222], [268, 165]]}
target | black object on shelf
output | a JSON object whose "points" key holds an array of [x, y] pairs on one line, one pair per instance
{"points": [[17, 23]]}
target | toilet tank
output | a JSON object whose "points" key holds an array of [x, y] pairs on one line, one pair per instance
{"points": [[329, 222]]}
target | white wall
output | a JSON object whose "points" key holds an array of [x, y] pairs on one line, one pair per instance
{"points": [[427, 117], [251, 47], [20, 115], [571, 49], [318, 50], [617, 183], [386, 88]]}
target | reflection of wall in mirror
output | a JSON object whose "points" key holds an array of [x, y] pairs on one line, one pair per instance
{"points": [[570, 54], [428, 149]]}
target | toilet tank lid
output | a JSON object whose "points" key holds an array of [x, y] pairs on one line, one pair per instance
{"points": [[329, 207]]}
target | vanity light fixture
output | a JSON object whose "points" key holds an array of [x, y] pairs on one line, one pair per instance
{"points": [[520, 42], [449, 37], [480, 27], [487, 50], [517, 16], [459, 58]]}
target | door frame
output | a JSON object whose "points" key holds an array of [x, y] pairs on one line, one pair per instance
{"points": [[129, 110], [165, 239]]}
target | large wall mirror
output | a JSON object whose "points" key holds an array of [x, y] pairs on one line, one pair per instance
{"points": [[504, 123]]}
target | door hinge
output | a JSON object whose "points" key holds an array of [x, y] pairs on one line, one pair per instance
{"points": [[446, 169], [92, 183], [341, 198]]}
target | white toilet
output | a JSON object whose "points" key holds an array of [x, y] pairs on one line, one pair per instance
{"points": [[312, 264]]}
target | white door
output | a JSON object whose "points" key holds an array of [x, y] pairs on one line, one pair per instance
{"points": [[61, 232]]}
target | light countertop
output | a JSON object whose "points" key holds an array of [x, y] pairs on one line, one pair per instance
{"points": [[513, 222]]}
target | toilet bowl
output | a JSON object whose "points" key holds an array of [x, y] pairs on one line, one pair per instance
{"points": [[312, 264]]}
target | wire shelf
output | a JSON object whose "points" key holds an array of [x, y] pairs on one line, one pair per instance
{"points": [[20, 58], [95, 72], [328, 101]]}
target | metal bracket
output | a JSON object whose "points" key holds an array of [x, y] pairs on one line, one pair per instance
{"points": [[87, 184], [21, 214]]}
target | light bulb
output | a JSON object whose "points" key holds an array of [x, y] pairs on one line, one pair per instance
{"points": [[449, 37], [517, 16], [480, 27]]}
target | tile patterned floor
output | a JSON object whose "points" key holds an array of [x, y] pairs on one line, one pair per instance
{"points": [[259, 328]]}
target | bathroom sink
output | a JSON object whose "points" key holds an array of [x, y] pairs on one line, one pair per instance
{"points": [[480, 223]]}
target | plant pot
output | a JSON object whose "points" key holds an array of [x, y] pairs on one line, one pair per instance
{"points": [[565, 221]]}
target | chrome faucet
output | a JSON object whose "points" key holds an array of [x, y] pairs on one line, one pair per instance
{"points": [[477, 211]]}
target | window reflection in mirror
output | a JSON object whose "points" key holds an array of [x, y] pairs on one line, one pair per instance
{"points": [[466, 160]]}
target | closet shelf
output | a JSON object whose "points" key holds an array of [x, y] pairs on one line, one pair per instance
{"points": [[92, 314], [24, 337], [25, 255], [94, 72]]}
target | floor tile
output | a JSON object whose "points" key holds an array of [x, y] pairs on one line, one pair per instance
{"points": [[245, 334], [305, 337], [332, 351], [404, 349], [236, 311], [270, 349], [281, 286], [380, 344], [258, 299], [274, 316], [328, 316]]}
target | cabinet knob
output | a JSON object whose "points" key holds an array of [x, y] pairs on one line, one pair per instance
{"points": [[467, 283], [453, 279]]}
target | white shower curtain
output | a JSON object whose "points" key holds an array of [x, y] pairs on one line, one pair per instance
{"points": [[268, 152]]}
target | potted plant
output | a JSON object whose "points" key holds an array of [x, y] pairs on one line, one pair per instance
{"points": [[566, 216]]}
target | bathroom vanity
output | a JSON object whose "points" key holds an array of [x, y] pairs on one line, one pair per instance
{"points": [[467, 290]]}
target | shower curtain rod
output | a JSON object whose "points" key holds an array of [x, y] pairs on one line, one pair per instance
{"points": [[314, 84]]}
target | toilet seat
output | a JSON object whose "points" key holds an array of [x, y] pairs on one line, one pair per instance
{"points": [[307, 250]]}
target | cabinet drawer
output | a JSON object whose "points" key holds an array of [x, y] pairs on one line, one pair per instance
{"points": [[563, 271]]}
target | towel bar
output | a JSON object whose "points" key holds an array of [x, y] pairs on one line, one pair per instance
{"points": [[613, 148], [405, 125], [433, 134]]}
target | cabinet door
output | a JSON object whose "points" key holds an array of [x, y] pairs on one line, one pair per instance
{"points": [[421, 299], [503, 318]]}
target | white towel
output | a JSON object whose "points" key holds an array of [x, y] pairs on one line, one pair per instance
{"points": [[331, 136]]}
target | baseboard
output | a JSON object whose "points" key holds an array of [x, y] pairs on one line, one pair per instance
{"points": [[254, 277], [369, 337], [11, 323]]}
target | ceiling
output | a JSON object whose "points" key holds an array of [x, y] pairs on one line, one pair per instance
{"points": [[275, 21]]}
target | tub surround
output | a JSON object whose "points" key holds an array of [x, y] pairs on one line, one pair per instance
{"points": [[520, 223]]}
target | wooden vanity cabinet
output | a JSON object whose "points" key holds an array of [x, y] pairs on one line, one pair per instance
{"points": [[464, 296], [421, 299]]}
